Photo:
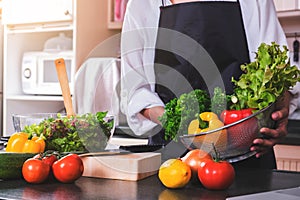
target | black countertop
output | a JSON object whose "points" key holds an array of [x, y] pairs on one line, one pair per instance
{"points": [[246, 182]]}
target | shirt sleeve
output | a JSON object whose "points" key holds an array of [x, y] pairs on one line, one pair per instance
{"points": [[137, 57], [261, 24]]}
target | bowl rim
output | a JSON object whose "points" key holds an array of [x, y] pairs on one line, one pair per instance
{"points": [[38, 114], [51, 113], [228, 125]]}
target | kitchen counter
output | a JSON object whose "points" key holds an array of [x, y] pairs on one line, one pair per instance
{"points": [[246, 182]]}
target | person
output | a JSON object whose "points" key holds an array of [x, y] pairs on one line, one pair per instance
{"points": [[230, 31]]}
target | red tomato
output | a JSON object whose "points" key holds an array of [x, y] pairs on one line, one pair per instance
{"points": [[35, 170], [48, 159], [68, 169], [216, 175], [196, 158]]}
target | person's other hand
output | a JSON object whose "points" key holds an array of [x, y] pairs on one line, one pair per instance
{"points": [[153, 113], [273, 136]]}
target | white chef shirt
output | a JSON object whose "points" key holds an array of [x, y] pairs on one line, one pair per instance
{"points": [[138, 48]]}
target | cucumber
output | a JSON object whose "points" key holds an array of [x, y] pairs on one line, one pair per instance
{"points": [[11, 164]]}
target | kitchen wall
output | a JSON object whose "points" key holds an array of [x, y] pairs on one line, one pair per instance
{"points": [[291, 27], [98, 11]]}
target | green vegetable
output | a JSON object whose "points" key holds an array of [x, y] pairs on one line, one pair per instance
{"points": [[180, 111], [219, 101], [87, 132], [11, 164], [265, 79]]}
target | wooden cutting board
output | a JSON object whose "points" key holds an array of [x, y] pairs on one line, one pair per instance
{"points": [[129, 166]]}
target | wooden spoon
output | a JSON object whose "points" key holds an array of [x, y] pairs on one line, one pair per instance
{"points": [[64, 84]]}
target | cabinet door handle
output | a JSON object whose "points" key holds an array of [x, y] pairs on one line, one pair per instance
{"points": [[67, 12]]}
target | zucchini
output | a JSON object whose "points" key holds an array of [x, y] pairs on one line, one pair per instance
{"points": [[11, 164]]}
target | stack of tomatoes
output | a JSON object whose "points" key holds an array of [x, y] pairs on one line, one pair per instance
{"points": [[65, 169], [213, 173]]}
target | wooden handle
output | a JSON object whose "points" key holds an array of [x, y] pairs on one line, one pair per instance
{"points": [[64, 84]]}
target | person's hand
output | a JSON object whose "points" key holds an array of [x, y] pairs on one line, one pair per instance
{"points": [[273, 136], [153, 113]]}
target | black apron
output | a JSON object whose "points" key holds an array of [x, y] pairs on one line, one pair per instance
{"points": [[200, 45]]}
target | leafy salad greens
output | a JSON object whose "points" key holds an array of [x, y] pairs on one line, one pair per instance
{"points": [[88, 132], [265, 79]]}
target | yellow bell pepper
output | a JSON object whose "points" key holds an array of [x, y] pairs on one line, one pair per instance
{"points": [[19, 143], [40, 141], [210, 117], [219, 138], [16, 142], [213, 121]]}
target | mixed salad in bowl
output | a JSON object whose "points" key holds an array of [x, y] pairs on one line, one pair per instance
{"points": [[78, 133]]}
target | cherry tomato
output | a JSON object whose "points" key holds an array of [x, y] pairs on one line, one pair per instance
{"points": [[216, 175], [68, 169], [196, 158], [48, 158], [35, 170]]}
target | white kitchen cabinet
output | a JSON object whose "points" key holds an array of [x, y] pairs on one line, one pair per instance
{"points": [[34, 11], [28, 24], [287, 8], [287, 5]]}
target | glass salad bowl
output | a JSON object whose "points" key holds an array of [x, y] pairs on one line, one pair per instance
{"points": [[78, 133]]}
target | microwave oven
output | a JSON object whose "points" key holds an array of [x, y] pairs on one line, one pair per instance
{"points": [[39, 74]]}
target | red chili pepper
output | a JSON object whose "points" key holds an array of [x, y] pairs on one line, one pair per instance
{"points": [[230, 116]]}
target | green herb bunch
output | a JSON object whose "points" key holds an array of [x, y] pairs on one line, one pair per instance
{"points": [[88, 132], [265, 79], [180, 111]]}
